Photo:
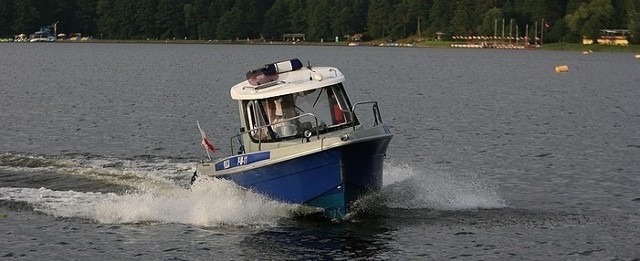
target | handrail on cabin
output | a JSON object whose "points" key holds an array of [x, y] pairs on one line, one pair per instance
{"points": [[262, 127], [376, 112]]}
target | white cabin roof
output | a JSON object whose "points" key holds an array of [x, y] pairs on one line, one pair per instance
{"points": [[288, 82]]}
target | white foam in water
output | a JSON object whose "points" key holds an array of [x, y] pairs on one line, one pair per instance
{"points": [[141, 174], [394, 173], [213, 202], [210, 202], [436, 189]]}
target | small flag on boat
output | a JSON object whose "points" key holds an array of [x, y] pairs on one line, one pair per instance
{"points": [[206, 143]]}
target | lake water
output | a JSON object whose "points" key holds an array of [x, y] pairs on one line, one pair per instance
{"points": [[495, 156]]}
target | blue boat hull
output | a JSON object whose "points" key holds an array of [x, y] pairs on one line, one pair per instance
{"points": [[331, 179]]}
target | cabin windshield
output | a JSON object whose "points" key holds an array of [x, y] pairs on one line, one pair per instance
{"points": [[288, 116]]}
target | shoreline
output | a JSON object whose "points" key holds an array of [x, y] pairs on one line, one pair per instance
{"points": [[425, 44]]}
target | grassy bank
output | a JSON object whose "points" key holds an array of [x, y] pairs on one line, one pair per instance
{"points": [[555, 46], [592, 47]]}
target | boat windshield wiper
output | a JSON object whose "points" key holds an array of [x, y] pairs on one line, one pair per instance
{"points": [[317, 98]]}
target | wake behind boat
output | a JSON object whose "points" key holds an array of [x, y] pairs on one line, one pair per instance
{"points": [[301, 140]]}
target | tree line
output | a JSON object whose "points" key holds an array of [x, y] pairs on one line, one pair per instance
{"points": [[562, 20]]}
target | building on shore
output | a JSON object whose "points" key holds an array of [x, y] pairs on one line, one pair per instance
{"points": [[610, 37]]}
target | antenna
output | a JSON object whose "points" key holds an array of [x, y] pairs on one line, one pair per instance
{"points": [[308, 65]]}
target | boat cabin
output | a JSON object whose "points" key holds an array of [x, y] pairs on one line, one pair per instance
{"points": [[285, 102]]}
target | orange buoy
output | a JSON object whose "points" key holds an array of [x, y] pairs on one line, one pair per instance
{"points": [[562, 68]]}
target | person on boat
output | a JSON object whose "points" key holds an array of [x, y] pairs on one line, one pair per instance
{"points": [[278, 110], [324, 104], [281, 108]]}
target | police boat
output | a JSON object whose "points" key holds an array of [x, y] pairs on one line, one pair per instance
{"points": [[301, 139]]}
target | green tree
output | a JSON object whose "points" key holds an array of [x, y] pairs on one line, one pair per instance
{"points": [[191, 21], [107, 23], [536, 10], [319, 21], [399, 20], [116, 19], [418, 11], [145, 19], [633, 20], [85, 16], [298, 17], [360, 9], [440, 15], [230, 26], [6, 17], [125, 19], [243, 20], [590, 17], [490, 21], [212, 17], [619, 17], [25, 18], [378, 18], [558, 32], [573, 5], [277, 20], [254, 17], [228, 19], [342, 21], [462, 21], [170, 19], [207, 15]]}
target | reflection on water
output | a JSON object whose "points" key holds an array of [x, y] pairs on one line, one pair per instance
{"points": [[319, 240]]}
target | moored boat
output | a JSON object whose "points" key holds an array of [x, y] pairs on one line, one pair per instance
{"points": [[44, 35], [301, 139]]}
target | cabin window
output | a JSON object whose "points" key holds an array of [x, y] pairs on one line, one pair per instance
{"points": [[279, 111], [328, 104], [340, 107], [255, 120], [276, 118]]}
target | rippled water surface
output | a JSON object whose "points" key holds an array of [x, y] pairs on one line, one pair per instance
{"points": [[495, 156]]}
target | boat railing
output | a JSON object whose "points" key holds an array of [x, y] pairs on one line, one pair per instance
{"points": [[263, 127], [377, 118], [264, 85]]}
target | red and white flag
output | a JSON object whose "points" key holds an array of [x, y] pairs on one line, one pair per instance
{"points": [[206, 143]]}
